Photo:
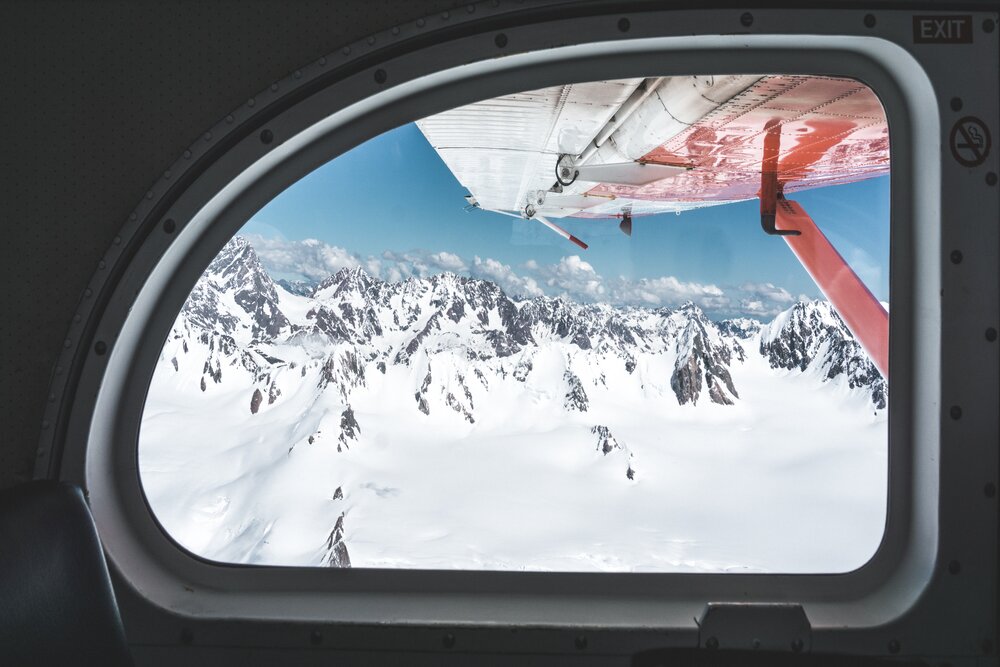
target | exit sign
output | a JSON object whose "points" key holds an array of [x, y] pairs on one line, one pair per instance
{"points": [[942, 29]]}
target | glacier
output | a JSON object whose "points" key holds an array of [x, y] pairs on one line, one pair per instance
{"points": [[439, 423]]}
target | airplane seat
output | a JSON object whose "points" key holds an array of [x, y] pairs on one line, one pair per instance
{"points": [[57, 606]]}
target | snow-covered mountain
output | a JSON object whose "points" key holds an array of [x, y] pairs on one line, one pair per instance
{"points": [[255, 370]]}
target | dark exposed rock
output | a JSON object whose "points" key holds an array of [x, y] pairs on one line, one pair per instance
{"points": [[273, 393], [174, 362], [701, 362], [339, 493], [576, 397], [203, 386], [349, 428], [255, 401], [336, 551], [522, 369], [606, 443], [381, 367]]}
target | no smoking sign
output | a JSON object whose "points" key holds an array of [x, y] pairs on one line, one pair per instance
{"points": [[970, 141]]}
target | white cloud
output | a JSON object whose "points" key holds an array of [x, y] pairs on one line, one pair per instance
{"points": [[571, 277]]}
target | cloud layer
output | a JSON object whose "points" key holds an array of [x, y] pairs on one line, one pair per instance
{"points": [[571, 277]]}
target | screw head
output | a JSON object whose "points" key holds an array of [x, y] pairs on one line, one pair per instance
{"points": [[956, 256], [169, 226], [712, 643], [624, 24], [869, 20], [894, 646], [580, 642], [266, 136], [448, 640], [380, 76], [954, 567], [500, 40], [991, 334], [988, 25], [991, 178], [955, 412], [797, 646], [100, 347], [315, 637], [746, 19], [956, 104]]}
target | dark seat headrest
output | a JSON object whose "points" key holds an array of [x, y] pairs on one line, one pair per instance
{"points": [[57, 606]]}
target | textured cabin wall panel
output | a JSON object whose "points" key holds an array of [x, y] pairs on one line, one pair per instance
{"points": [[98, 99]]}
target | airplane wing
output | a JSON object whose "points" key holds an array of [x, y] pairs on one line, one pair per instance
{"points": [[659, 144], [631, 147]]}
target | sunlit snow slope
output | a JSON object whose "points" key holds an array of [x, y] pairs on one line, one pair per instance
{"points": [[439, 423]]}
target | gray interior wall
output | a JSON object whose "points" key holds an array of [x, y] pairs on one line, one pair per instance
{"points": [[98, 98]]}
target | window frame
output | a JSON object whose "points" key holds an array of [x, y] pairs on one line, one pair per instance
{"points": [[177, 233]]}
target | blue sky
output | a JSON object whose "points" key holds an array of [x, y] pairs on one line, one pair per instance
{"points": [[392, 202]]}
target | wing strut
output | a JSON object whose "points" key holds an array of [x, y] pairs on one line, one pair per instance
{"points": [[863, 314], [560, 231]]}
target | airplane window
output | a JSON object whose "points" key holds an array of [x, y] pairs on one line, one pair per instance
{"points": [[633, 325]]}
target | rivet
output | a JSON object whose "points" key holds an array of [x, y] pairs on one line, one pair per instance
{"points": [[117, 240], [297, 74], [251, 102], [67, 343], [322, 61], [470, 9], [990, 490], [988, 25], [208, 136], [52, 398], [274, 87], [624, 24], [445, 15], [797, 645], [580, 642], [371, 40], [869, 20], [380, 76], [315, 637], [45, 424], [500, 40], [132, 216], [77, 318], [59, 370], [149, 194], [448, 640], [956, 104], [954, 567], [894, 646], [87, 293], [956, 256], [169, 225], [955, 412], [712, 643], [991, 178], [187, 155], [746, 19], [346, 50], [101, 265], [167, 174], [229, 119], [266, 136], [420, 23], [187, 636], [755, 644], [395, 30], [41, 454], [991, 334], [100, 347]]}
